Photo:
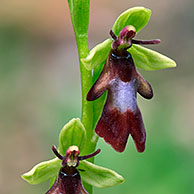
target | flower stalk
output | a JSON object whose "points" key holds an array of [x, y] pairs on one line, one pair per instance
{"points": [[79, 11]]}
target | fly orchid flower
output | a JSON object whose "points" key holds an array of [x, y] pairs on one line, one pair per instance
{"points": [[121, 115], [69, 180]]}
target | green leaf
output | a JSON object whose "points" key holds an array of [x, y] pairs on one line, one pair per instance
{"points": [[99, 176], [136, 16], [73, 133], [43, 171], [97, 55], [150, 60]]}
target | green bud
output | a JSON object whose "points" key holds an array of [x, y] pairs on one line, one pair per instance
{"points": [[97, 55]]}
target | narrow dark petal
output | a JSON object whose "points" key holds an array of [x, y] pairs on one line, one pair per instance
{"points": [[90, 155], [81, 170], [156, 41], [114, 37], [54, 149]]}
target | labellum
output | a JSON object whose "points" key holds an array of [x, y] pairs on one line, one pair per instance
{"points": [[69, 180], [121, 115]]}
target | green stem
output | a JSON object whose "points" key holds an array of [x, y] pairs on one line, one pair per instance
{"points": [[79, 10], [87, 107]]}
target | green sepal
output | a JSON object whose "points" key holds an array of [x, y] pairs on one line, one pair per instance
{"points": [[97, 55], [98, 176], [43, 171], [73, 133], [150, 60], [92, 174], [52, 181], [136, 16]]}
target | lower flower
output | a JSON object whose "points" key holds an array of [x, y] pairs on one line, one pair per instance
{"points": [[69, 180]]}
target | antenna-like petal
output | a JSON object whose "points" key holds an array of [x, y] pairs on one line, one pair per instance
{"points": [[54, 149], [90, 155], [156, 41]]}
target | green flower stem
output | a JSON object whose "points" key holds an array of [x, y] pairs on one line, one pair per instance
{"points": [[79, 10], [87, 107]]}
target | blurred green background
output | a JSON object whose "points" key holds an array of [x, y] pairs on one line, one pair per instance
{"points": [[40, 92]]}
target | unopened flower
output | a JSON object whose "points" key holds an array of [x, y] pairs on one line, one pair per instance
{"points": [[121, 115], [69, 180]]}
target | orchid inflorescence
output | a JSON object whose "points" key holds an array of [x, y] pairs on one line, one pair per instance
{"points": [[110, 66]]}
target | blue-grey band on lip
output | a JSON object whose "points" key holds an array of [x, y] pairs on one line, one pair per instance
{"points": [[71, 175], [117, 57]]}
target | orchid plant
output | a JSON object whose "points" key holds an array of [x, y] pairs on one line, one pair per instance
{"points": [[111, 66]]}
